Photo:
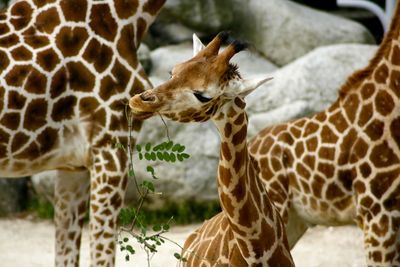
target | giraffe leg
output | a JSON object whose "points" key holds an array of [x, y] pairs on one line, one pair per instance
{"points": [[295, 227], [381, 236], [107, 192], [71, 197]]}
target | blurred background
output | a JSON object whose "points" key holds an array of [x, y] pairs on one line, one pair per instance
{"points": [[308, 46]]}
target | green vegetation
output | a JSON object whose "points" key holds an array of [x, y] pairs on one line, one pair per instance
{"points": [[40, 207], [186, 212]]}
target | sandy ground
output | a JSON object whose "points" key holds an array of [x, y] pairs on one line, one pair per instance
{"points": [[31, 244]]}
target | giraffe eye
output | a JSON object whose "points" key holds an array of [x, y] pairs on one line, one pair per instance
{"points": [[202, 98]]}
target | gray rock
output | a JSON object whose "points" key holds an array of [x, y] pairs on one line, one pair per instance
{"points": [[165, 58], [206, 16], [43, 184], [143, 54], [259, 121], [281, 30], [307, 85], [284, 30], [13, 194]]}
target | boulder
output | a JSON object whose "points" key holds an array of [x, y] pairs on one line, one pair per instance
{"points": [[208, 16], [143, 54], [284, 31], [307, 85], [281, 30], [13, 194], [165, 58]]}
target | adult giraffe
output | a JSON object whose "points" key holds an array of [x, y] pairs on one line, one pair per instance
{"points": [[67, 70], [249, 230], [343, 164]]}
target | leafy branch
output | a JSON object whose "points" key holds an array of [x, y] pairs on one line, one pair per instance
{"points": [[133, 219]]}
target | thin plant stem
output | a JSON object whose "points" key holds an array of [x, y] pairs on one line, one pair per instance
{"points": [[165, 125]]}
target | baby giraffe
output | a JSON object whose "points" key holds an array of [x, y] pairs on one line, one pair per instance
{"points": [[249, 230]]}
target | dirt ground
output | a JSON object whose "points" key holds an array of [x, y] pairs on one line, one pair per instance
{"points": [[30, 243]]}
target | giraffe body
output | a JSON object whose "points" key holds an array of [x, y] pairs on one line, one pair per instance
{"points": [[249, 230], [342, 165], [67, 69]]}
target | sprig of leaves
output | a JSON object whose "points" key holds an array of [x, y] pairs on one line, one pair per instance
{"points": [[166, 151]]}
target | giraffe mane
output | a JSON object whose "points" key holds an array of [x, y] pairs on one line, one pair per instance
{"points": [[383, 51], [231, 73]]}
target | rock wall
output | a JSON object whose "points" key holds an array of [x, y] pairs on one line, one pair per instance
{"points": [[281, 30]]}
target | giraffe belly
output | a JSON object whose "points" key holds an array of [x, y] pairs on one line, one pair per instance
{"points": [[70, 155], [14, 169], [319, 211]]}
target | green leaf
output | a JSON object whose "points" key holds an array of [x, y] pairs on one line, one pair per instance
{"points": [[185, 156], [126, 239], [126, 216], [126, 257], [151, 187], [153, 156], [140, 156], [138, 148], [161, 146], [179, 157], [172, 157], [130, 249], [153, 248], [158, 147], [181, 149], [131, 173], [169, 145], [147, 147], [157, 228], [176, 147], [122, 248], [119, 146], [160, 156], [177, 255], [148, 185], [166, 156], [150, 169], [147, 156], [166, 227]]}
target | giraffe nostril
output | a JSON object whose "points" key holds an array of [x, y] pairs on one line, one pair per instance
{"points": [[147, 97]]}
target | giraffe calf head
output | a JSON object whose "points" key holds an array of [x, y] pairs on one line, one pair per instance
{"points": [[198, 87]]}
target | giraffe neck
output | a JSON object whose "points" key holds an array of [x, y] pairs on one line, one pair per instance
{"points": [[380, 66], [242, 196]]}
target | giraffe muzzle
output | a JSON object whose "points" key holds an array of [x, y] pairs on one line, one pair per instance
{"points": [[147, 97]]}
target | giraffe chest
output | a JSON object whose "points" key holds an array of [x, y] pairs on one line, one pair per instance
{"points": [[318, 210]]}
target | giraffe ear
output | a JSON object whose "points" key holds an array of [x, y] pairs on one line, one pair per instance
{"points": [[250, 85], [197, 45]]}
